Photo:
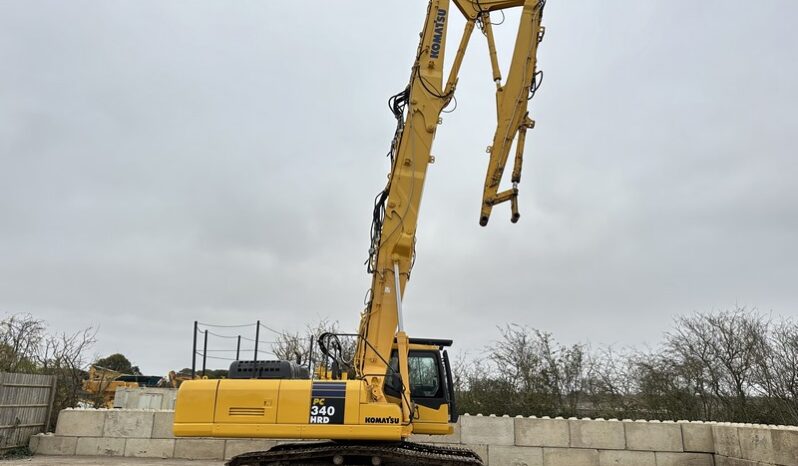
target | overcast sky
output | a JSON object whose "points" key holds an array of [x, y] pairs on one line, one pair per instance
{"points": [[165, 162]]}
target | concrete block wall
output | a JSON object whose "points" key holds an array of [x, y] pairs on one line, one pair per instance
{"points": [[499, 440], [755, 444], [133, 433], [533, 441]]}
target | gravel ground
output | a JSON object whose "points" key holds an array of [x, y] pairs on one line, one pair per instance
{"points": [[103, 461]]}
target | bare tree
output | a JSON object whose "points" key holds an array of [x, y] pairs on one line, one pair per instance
{"points": [[728, 346], [668, 388], [478, 389], [566, 371], [297, 347], [778, 372], [25, 346], [611, 384], [736, 365], [20, 337], [292, 347], [534, 373], [66, 356]]}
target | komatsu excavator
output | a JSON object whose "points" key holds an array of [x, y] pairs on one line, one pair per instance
{"points": [[399, 385]]}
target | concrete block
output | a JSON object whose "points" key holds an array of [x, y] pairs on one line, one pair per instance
{"points": [[487, 430], [726, 441], [570, 457], [145, 398], [129, 424], [235, 447], [56, 445], [199, 449], [503, 455], [150, 448], [454, 437], [755, 444], [626, 458], [94, 446], [33, 443], [684, 459], [542, 432], [653, 436], [605, 435], [697, 437], [785, 446], [162, 424], [126, 398], [80, 423]]}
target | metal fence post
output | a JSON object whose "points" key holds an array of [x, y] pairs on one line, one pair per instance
{"points": [[257, 338], [204, 352], [194, 353]]}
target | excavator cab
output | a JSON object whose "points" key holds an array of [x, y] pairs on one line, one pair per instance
{"points": [[430, 378], [431, 385]]}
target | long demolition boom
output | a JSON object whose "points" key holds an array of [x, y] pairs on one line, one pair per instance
{"points": [[418, 109]]}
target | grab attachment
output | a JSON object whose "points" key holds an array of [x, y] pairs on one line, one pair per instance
{"points": [[512, 101]]}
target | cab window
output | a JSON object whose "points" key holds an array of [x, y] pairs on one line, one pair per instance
{"points": [[424, 371]]}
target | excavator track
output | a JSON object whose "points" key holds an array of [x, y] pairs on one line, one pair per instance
{"points": [[359, 453]]}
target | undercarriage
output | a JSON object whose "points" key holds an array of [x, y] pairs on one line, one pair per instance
{"points": [[359, 453]]}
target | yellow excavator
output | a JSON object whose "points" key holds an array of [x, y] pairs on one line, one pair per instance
{"points": [[100, 388], [401, 385]]}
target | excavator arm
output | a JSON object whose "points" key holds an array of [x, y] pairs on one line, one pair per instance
{"points": [[418, 109], [512, 100]]}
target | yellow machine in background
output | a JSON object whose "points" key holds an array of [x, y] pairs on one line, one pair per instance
{"points": [[99, 390], [401, 385], [100, 387]]}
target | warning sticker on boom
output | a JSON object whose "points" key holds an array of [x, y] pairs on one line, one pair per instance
{"points": [[327, 402]]}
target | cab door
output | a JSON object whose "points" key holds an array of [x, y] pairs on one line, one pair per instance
{"points": [[430, 390]]}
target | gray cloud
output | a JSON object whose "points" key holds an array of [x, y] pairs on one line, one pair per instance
{"points": [[166, 162]]}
